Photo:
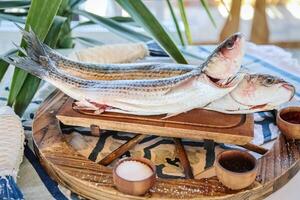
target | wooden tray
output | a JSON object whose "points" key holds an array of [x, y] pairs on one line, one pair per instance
{"points": [[94, 181], [196, 124]]}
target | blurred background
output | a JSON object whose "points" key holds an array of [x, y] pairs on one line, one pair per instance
{"points": [[263, 21], [280, 18]]}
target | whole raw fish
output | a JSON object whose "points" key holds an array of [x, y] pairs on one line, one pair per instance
{"points": [[256, 92], [172, 95], [220, 66]]}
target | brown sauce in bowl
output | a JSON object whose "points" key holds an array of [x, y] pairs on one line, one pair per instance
{"points": [[291, 117], [237, 164]]}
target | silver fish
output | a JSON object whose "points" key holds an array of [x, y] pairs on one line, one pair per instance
{"points": [[256, 92], [220, 66], [171, 95]]}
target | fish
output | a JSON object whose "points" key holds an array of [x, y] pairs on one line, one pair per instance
{"points": [[171, 95], [220, 66], [255, 93]]}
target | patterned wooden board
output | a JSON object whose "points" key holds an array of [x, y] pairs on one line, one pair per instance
{"points": [[196, 124], [94, 181]]}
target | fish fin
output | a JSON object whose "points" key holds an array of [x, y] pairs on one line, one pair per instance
{"points": [[27, 64], [35, 60], [20, 49], [35, 48], [91, 106], [84, 105]]}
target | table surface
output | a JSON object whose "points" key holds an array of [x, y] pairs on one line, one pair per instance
{"points": [[290, 190]]}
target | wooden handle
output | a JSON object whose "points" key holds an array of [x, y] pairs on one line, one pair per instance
{"points": [[183, 159], [255, 148], [121, 150], [95, 130]]}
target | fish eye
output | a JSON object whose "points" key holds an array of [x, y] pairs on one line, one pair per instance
{"points": [[229, 44], [268, 81]]}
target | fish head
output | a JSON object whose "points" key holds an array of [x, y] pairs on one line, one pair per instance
{"points": [[226, 59], [262, 90]]}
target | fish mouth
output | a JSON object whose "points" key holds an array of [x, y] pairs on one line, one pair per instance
{"points": [[291, 88], [221, 83], [235, 37]]}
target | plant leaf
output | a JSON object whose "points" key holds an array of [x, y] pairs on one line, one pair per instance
{"points": [[205, 6], [122, 19], [187, 29], [40, 17], [76, 3], [114, 26], [26, 94], [53, 34], [176, 23], [89, 41], [140, 13], [83, 24], [12, 18], [4, 65], [13, 4]]}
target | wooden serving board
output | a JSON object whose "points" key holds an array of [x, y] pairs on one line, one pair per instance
{"points": [[93, 181], [196, 124]]}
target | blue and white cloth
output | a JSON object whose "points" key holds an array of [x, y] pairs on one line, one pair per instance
{"points": [[36, 184]]}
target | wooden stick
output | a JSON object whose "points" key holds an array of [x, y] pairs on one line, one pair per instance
{"points": [[232, 23], [95, 130], [260, 30], [255, 148], [121, 150], [183, 159]]}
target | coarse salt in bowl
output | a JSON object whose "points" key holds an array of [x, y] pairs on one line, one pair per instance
{"points": [[132, 170], [134, 176]]}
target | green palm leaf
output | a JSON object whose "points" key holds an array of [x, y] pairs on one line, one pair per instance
{"points": [[187, 29], [205, 6], [88, 41], [140, 13], [10, 17], [14, 4], [40, 17], [53, 34], [4, 65], [176, 23], [114, 26]]}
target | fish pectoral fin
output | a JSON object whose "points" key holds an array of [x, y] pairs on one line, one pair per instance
{"points": [[84, 105]]}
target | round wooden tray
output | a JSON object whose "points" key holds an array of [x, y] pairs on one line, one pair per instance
{"points": [[94, 181]]}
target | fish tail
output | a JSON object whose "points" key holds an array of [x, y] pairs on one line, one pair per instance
{"points": [[35, 59], [27, 64], [35, 49]]}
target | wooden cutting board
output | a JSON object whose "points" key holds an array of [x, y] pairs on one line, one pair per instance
{"points": [[196, 124]]}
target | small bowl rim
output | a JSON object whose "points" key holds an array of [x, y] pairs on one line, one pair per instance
{"points": [[142, 160], [284, 109], [237, 173]]}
